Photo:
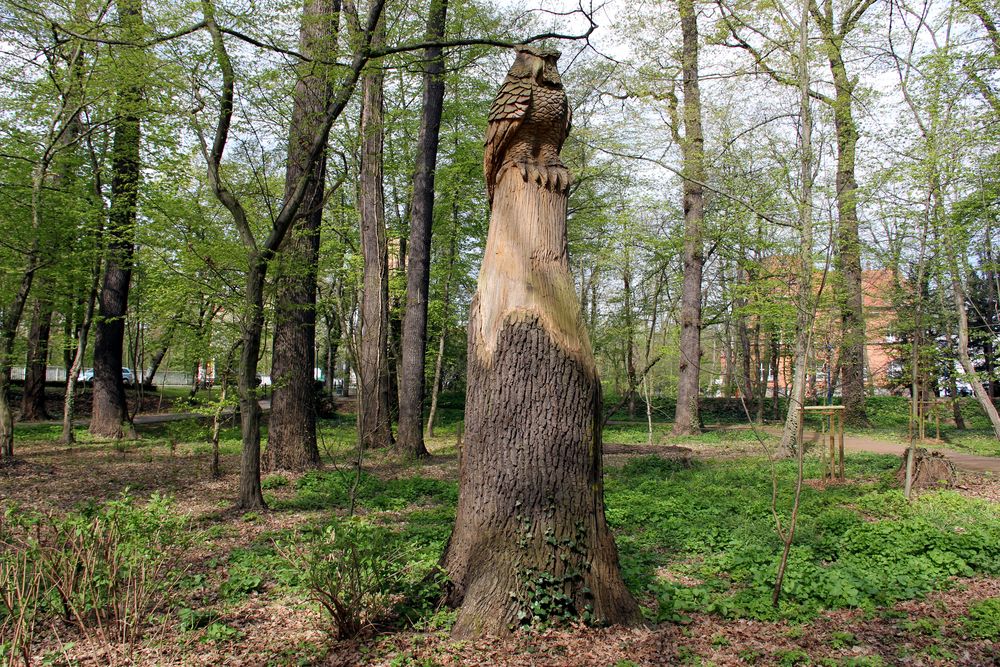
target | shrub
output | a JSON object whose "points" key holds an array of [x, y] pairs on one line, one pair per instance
{"points": [[354, 570], [106, 569]]}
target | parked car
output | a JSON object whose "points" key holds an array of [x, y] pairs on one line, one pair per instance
{"points": [[87, 376]]}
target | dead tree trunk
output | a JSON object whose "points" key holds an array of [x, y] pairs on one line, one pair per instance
{"points": [[687, 420], [291, 435], [414, 345], [373, 363], [530, 519]]}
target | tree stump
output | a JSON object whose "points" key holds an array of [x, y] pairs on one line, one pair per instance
{"points": [[931, 470]]}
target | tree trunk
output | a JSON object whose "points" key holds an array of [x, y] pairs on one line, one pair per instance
{"points": [[629, 342], [110, 409], [804, 305], [687, 419], [850, 293], [33, 399], [373, 364], [414, 350], [531, 502], [250, 495], [958, 294], [73, 372], [446, 298], [291, 436], [530, 525]]}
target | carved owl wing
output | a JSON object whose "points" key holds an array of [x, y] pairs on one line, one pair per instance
{"points": [[506, 115]]}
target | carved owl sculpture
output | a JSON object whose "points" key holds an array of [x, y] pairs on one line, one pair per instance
{"points": [[528, 122]]}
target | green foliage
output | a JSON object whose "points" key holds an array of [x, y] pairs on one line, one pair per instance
{"points": [[331, 489], [98, 567], [982, 621], [856, 545], [274, 482], [355, 571]]}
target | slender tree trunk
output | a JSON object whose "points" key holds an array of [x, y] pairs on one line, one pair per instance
{"points": [[411, 396], [110, 409], [446, 298], [629, 342], [958, 294], [291, 436], [373, 364], [775, 369], [251, 497], [850, 292], [69, 400], [33, 398], [154, 365], [687, 419], [804, 305]]}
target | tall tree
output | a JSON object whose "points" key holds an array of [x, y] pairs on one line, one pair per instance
{"points": [[804, 284], [414, 346], [836, 24], [687, 420], [110, 408], [374, 421], [259, 254], [291, 436]]}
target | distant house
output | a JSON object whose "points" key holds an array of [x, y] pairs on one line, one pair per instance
{"points": [[884, 369]]}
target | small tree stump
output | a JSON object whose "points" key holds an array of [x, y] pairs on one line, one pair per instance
{"points": [[931, 470]]}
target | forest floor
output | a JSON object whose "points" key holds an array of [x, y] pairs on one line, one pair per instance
{"points": [[872, 580]]}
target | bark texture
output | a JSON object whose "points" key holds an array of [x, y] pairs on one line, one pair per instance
{"points": [[110, 410], [414, 343], [687, 420], [374, 421], [530, 525], [849, 288], [291, 436]]}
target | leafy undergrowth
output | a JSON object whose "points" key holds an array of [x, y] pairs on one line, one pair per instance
{"points": [[703, 539], [873, 580]]}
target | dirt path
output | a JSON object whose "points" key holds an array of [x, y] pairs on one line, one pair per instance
{"points": [[962, 461]]}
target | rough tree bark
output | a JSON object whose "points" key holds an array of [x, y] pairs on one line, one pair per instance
{"points": [[414, 345], [374, 422], [110, 409], [291, 435], [687, 420], [530, 519]]}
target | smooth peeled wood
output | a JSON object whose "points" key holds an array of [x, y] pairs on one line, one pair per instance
{"points": [[531, 501]]}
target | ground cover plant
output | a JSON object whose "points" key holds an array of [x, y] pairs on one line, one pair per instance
{"points": [[872, 579]]}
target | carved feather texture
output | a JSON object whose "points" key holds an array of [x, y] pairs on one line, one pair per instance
{"points": [[528, 123]]}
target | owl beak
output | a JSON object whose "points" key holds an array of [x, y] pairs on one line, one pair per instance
{"points": [[539, 68]]}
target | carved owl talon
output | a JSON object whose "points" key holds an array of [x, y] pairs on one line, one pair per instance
{"points": [[528, 123]]}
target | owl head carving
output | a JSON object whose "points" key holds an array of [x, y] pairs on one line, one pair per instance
{"points": [[538, 64]]}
